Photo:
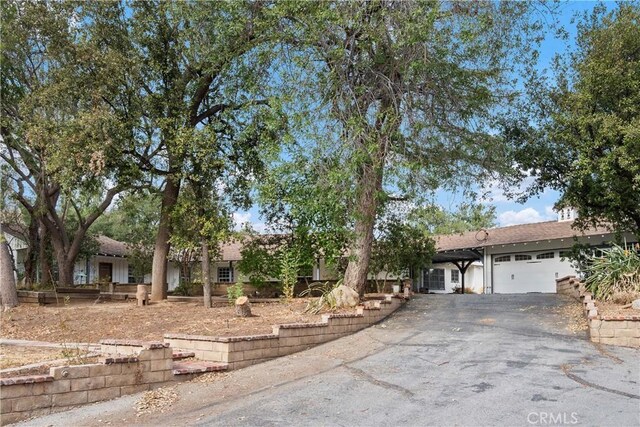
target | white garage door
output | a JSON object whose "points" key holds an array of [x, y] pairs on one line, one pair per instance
{"points": [[528, 272]]}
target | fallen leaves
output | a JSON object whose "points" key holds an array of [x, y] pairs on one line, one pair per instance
{"points": [[158, 400]]}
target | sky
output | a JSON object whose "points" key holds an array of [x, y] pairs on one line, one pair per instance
{"points": [[508, 212]]}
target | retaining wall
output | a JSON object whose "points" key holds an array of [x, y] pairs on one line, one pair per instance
{"points": [[239, 352], [130, 366], [144, 366], [613, 330]]}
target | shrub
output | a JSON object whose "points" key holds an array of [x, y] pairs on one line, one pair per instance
{"points": [[186, 289], [615, 271], [234, 292], [326, 298]]}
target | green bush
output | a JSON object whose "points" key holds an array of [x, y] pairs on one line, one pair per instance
{"points": [[234, 292], [187, 289], [611, 272]]}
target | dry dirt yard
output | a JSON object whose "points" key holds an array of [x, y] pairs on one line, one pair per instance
{"points": [[89, 323]]}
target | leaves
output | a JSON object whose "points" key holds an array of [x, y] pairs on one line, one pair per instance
{"points": [[580, 134]]}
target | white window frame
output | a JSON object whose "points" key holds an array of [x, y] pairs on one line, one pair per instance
{"points": [[455, 273], [227, 277]]}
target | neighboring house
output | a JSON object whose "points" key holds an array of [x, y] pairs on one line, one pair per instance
{"points": [[108, 265], [17, 248], [519, 258]]}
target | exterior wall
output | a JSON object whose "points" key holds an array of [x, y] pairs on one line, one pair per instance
{"points": [[549, 245], [472, 278], [18, 249], [120, 269]]}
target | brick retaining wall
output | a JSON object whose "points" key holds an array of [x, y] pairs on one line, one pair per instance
{"points": [[613, 330], [130, 366], [239, 352], [144, 366]]}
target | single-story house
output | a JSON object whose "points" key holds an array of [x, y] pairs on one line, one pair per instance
{"points": [[514, 259]]}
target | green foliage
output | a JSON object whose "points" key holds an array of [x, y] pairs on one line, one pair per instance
{"points": [[613, 271], [325, 300], [435, 220], [277, 257], [289, 268], [187, 289], [580, 133], [400, 247], [234, 292], [391, 99]]}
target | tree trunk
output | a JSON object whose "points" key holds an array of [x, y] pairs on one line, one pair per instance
{"points": [[243, 307], [31, 260], [45, 256], [206, 274], [65, 270], [369, 184], [8, 290], [159, 285]]}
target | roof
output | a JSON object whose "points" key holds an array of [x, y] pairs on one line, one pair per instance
{"points": [[523, 233], [230, 251], [111, 247]]}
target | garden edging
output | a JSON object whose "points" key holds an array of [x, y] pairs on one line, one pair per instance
{"points": [[613, 330]]}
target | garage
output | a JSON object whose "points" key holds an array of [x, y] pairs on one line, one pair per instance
{"points": [[518, 273]]}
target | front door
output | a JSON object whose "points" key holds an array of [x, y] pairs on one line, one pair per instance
{"points": [[105, 272]]}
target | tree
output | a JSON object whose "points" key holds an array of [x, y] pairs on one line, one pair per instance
{"points": [[399, 248], [436, 221], [406, 94], [580, 133], [191, 68], [62, 145]]}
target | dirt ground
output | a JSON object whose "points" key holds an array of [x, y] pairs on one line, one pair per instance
{"points": [[611, 309], [78, 323], [12, 356]]}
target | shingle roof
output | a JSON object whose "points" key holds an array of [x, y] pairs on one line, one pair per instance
{"points": [[230, 251], [522, 233], [108, 246]]}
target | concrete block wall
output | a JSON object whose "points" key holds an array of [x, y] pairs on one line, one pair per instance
{"points": [[239, 352], [126, 368], [613, 330]]}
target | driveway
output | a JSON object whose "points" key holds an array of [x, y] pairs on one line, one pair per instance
{"points": [[459, 360]]}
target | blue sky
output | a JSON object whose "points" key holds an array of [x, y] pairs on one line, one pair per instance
{"points": [[508, 212]]}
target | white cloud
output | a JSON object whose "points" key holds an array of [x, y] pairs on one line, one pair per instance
{"points": [[524, 216], [550, 211], [241, 219]]}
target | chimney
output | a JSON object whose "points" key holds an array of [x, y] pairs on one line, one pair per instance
{"points": [[567, 214]]}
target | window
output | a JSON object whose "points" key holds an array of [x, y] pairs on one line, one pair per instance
{"points": [[455, 276], [566, 254], [545, 255], [131, 275], [503, 258], [225, 275], [434, 279], [521, 257]]}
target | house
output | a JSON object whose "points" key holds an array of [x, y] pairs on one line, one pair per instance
{"points": [[17, 248], [514, 259]]}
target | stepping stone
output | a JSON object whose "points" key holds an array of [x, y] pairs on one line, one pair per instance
{"points": [[197, 367]]}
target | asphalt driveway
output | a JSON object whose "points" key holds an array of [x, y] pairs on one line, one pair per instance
{"points": [[459, 360]]}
